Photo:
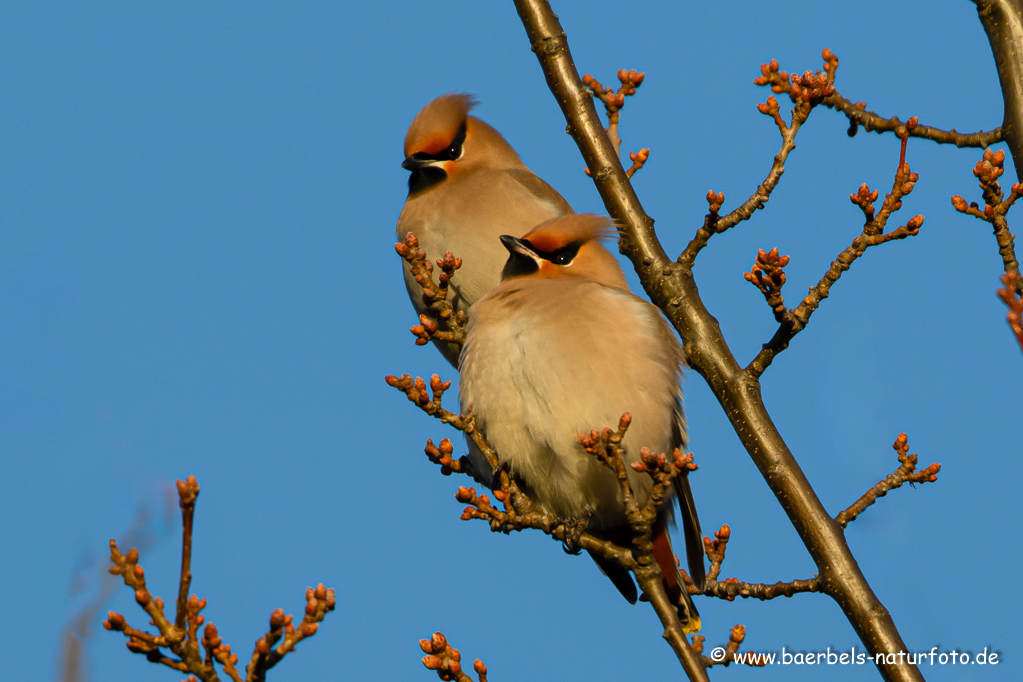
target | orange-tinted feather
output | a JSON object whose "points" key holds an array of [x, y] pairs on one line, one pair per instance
{"points": [[437, 124]]}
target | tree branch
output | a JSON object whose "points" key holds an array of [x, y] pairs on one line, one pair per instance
{"points": [[996, 205], [673, 289], [768, 276], [1003, 23], [730, 588], [1012, 295], [727, 653], [181, 637], [607, 447], [856, 112], [716, 225], [614, 101], [906, 473], [435, 296]]}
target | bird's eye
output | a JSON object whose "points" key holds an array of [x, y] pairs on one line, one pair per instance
{"points": [[563, 256], [454, 152]]}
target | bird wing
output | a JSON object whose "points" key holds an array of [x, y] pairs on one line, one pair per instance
{"points": [[536, 186]]}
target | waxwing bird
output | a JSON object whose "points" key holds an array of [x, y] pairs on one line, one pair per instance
{"points": [[467, 188], [561, 347]]}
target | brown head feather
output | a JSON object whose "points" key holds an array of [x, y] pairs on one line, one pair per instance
{"points": [[437, 124], [577, 227], [593, 261]]}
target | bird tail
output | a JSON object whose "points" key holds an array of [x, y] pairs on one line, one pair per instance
{"points": [[619, 576], [664, 555], [674, 585]]}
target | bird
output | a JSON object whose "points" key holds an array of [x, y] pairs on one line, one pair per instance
{"points": [[467, 187], [561, 347]]}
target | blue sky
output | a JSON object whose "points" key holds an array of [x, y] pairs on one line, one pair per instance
{"points": [[197, 208]]}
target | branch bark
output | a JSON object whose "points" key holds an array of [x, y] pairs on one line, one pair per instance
{"points": [[672, 287], [1003, 23]]}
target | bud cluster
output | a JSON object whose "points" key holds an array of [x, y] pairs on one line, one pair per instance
{"points": [[614, 100], [806, 90], [447, 660], [434, 295], [767, 275]]}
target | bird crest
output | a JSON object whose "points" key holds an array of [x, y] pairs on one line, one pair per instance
{"points": [[438, 123], [559, 232]]}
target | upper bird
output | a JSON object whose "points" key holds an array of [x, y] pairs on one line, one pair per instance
{"points": [[467, 188], [561, 347]]}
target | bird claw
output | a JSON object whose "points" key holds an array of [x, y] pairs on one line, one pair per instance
{"points": [[574, 529]]}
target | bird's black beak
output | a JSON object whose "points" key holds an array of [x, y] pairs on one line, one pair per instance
{"points": [[516, 245], [522, 260], [414, 164]]}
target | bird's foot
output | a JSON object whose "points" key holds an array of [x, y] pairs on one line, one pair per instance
{"points": [[574, 528]]}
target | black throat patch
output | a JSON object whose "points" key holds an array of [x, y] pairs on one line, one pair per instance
{"points": [[424, 178]]}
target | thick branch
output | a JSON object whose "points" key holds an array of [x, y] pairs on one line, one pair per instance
{"points": [[674, 290], [1003, 23]]}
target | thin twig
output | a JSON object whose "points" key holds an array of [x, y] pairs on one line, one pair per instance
{"points": [[607, 447], [781, 82], [996, 205], [815, 89], [1012, 295], [188, 491], [767, 274], [441, 322], [614, 101], [181, 637], [638, 159], [430, 403], [906, 473], [730, 588]]}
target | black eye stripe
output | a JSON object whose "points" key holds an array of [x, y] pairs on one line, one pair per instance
{"points": [[563, 256], [453, 150]]}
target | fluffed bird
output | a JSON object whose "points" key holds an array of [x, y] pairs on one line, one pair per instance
{"points": [[467, 188], [560, 347]]}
